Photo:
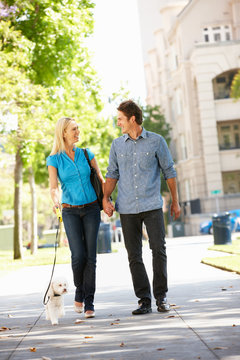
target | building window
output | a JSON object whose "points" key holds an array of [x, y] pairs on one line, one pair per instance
{"points": [[237, 140], [206, 38], [183, 147], [222, 84], [229, 135], [187, 190], [231, 182], [172, 102], [217, 33], [179, 101], [174, 59]]}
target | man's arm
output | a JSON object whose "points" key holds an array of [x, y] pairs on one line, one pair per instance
{"points": [[109, 186], [175, 207]]}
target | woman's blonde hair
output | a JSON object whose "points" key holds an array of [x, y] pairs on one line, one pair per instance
{"points": [[58, 142]]}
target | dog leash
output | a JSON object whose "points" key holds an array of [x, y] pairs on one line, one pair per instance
{"points": [[57, 241]]}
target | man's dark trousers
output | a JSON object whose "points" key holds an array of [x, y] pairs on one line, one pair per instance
{"points": [[132, 232]]}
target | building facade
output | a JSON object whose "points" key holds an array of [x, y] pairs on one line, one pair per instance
{"points": [[188, 73]]}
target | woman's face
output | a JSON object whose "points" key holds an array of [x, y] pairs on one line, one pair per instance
{"points": [[71, 133]]}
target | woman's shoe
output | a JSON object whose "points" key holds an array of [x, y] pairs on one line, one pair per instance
{"points": [[78, 307], [89, 314]]}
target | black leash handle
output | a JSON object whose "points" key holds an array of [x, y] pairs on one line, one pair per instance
{"points": [[57, 241]]}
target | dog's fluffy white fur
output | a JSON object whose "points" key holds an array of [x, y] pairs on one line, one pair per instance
{"points": [[55, 304]]}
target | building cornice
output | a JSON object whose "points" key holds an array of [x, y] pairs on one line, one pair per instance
{"points": [[216, 44]]}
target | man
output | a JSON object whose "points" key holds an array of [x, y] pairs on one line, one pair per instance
{"points": [[135, 162]]}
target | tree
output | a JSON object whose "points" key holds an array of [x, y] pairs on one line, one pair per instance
{"points": [[154, 120], [235, 86], [20, 100], [47, 41]]}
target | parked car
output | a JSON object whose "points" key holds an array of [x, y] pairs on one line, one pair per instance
{"points": [[207, 228]]}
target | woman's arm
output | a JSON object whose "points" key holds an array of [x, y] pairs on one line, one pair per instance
{"points": [[54, 191]]}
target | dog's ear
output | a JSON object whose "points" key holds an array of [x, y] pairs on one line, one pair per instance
{"points": [[50, 292]]}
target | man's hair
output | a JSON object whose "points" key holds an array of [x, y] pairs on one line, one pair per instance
{"points": [[129, 108]]}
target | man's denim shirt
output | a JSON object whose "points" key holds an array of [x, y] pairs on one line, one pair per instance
{"points": [[136, 164]]}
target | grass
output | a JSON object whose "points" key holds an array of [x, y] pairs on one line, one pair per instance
{"points": [[230, 262], [233, 248], [44, 256]]}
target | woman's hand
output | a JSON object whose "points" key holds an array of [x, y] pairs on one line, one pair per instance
{"points": [[56, 206], [108, 207]]}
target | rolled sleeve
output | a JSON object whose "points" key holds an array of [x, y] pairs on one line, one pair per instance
{"points": [[52, 161], [165, 160], [113, 170]]}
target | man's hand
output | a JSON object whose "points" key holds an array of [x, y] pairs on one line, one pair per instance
{"points": [[108, 207], [175, 209]]}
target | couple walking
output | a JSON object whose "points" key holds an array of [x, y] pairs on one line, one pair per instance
{"points": [[135, 162]]}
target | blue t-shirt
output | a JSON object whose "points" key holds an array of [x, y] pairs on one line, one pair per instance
{"points": [[74, 177]]}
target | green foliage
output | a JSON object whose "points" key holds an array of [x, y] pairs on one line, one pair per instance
{"points": [[19, 98], [45, 74], [57, 28], [154, 120], [44, 43], [38, 155], [6, 202], [235, 86]]}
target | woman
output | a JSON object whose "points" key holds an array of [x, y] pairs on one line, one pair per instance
{"points": [[80, 209]]}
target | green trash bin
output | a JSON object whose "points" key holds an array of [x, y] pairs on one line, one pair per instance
{"points": [[222, 229], [177, 228], [104, 239]]}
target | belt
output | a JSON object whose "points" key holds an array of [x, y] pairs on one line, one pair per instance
{"points": [[77, 206]]}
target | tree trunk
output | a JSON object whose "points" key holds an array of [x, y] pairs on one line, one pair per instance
{"points": [[34, 236], [17, 245]]}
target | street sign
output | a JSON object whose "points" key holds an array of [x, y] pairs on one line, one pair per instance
{"points": [[215, 192]]}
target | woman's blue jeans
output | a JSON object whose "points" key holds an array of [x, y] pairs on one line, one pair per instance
{"points": [[81, 226]]}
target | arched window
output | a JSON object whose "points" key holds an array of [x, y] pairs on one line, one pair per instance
{"points": [[222, 84]]}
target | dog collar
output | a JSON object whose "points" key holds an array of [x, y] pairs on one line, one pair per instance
{"points": [[56, 295]]}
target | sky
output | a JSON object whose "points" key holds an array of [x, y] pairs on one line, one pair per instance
{"points": [[116, 47]]}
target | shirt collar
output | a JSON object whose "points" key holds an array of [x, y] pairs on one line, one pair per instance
{"points": [[74, 149], [143, 135]]}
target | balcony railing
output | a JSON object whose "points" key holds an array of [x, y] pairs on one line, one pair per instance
{"points": [[229, 147]]}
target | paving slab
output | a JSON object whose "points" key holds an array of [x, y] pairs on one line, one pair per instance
{"points": [[204, 321]]}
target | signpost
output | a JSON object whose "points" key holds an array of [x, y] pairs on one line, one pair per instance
{"points": [[216, 192]]}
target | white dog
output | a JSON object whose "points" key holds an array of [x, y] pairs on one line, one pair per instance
{"points": [[55, 304]]}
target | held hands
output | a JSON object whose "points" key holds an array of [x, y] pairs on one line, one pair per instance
{"points": [[108, 207], [175, 209]]}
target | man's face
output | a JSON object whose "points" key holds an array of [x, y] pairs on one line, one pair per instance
{"points": [[123, 122]]}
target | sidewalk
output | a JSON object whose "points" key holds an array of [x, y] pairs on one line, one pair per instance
{"points": [[203, 324]]}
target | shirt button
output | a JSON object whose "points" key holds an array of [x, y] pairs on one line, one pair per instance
{"points": [[135, 175], [136, 187], [134, 154], [135, 164], [136, 198]]}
